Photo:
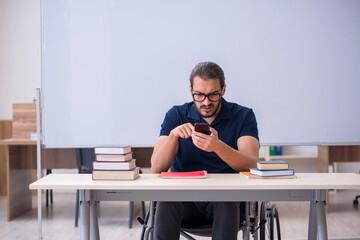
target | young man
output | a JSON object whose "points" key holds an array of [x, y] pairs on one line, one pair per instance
{"points": [[232, 146]]}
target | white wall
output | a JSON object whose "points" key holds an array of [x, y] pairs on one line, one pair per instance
{"points": [[287, 65], [20, 64]]}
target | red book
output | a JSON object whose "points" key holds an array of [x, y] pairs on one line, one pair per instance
{"points": [[195, 174]]}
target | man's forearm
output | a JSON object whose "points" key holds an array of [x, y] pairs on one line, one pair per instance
{"points": [[164, 153], [238, 160]]}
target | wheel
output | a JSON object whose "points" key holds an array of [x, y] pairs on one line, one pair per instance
{"points": [[269, 213], [254, 219], [264, 230], [143, 222], [275, 215]]}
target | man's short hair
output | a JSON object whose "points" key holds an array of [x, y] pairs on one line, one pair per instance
{"points": [[208, 70]]}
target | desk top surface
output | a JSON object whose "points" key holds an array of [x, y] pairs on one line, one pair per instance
{"points": [[17, 141], [213, 182]]}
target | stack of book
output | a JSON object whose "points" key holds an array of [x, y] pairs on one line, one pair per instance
{"points": [[114, 163], [270, 169]]}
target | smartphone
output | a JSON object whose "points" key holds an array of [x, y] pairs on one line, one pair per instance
{"points": [[202, 127]]}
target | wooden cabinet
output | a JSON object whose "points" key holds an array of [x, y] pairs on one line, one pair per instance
{"points": [[5, 132], [330, 154]]}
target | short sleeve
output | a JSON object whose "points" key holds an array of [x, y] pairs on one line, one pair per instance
{"points": [[250, 126], [169, 122]]}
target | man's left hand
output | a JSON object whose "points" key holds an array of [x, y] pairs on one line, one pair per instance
{"points": [[208, 143]]}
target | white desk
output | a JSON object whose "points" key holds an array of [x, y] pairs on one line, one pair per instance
{"points": [[218, 187]]}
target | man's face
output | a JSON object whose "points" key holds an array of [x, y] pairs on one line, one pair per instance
{"points": [[207, 108]]}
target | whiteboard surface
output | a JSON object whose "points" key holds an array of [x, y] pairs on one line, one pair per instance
{"points": [[112, 69]]}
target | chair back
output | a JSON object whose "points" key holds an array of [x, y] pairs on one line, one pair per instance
{"points": [[84, 159]]}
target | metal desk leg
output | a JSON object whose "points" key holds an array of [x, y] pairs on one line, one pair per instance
{"points": [[94, 226], [84, 216], [312, 231], [321, 220]]}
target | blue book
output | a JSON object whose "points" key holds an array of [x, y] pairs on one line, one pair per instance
{"points": [[272, 173]]}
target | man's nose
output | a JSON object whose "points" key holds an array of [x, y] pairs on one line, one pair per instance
{"points": [[206, 101]]}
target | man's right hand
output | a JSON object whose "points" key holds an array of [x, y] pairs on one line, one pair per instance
{"points": [[167, 147], [183, 131]]}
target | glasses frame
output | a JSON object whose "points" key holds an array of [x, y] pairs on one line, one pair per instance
{"points": [[207, 96]]}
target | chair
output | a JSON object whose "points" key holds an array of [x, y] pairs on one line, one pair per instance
{"points": [[356, 201], [84, 159], [249, 222], [48, 171]]}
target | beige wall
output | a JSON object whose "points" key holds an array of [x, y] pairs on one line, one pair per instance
{"points": [[20, 64]]}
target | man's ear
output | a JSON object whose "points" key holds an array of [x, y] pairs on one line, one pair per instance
{"points": [[223, 90], [190, 89]]}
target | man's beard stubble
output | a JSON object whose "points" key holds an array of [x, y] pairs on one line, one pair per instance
{"points": [[212, 114]]}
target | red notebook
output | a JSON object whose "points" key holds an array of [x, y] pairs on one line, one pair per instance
{"points": [[195, 174]]}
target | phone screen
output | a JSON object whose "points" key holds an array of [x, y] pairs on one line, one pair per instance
{"points": [[202, 127]]}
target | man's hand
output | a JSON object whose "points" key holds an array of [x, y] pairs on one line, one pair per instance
{"points": [[183, 131], [208, 143], [167, 147]]}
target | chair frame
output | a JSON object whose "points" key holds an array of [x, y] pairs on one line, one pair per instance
{"points": [[248, 223]]}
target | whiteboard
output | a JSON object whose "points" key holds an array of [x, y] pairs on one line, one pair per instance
{"points": [[111, 69]]}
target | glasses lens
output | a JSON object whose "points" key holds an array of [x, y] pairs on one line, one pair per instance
{"points": [[198, 97], [214, 97]]}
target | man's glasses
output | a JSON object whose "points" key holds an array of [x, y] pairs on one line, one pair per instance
{"points": [[213, 97]]}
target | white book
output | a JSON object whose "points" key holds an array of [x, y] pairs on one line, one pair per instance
{"points": [[114, 165], [113, 157], [113, 149]]}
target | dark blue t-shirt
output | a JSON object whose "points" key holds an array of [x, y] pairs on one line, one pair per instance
{"points": [[233, 121]]}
